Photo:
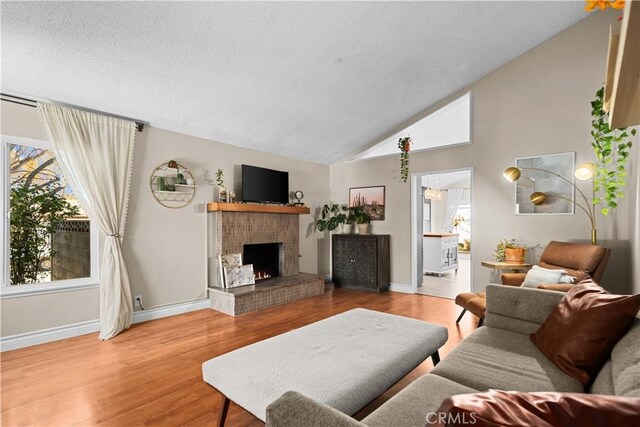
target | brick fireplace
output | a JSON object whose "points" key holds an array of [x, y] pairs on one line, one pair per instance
{"points": [[229, 232], [275, 232], [269, 240]]}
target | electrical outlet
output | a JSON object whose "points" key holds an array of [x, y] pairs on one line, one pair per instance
{"points": [[137, 301]]}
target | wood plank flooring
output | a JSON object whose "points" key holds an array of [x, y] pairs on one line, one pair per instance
{"points": [[151, 374]]}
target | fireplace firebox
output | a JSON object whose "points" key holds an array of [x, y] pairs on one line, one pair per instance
{"points": [[267, 259]]}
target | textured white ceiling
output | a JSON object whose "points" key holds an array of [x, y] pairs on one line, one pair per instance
{"points": [[315, 81]]}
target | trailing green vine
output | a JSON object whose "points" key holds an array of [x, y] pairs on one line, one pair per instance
{"points": [[612, 149], [404, 144]]}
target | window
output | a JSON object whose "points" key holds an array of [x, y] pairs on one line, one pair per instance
{"points": [[450, 125], [51, 244]]}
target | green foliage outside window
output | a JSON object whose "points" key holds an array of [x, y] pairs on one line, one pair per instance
{"points": [[35, 214]]}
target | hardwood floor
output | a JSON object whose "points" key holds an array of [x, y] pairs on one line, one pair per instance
{"points": [[151, 374]]}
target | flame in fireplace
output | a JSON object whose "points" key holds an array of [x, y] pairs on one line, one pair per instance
{"points": [[261, 275]]}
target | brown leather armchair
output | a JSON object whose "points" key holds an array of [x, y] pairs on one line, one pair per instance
{"points": [[578, 259]]}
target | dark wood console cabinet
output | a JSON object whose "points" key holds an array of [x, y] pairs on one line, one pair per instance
{"points": [[361, 262]]}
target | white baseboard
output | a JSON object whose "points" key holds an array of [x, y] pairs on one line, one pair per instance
{"points": [[27, 339], [170, 310], [398, 287]]}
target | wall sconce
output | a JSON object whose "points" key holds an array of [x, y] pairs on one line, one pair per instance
{"points": [[584, 172]]}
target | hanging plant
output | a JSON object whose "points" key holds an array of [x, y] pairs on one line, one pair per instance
{"points": [[612, 149], [603, 4], [404, 144]]}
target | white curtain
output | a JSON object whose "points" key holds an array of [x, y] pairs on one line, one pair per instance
{"points": [[454, 197], [95, 154]]}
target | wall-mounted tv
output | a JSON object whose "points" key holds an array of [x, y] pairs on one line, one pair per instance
{"points": [[264, 185]]}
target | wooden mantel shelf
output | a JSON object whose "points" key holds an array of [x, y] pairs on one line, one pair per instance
{"points": [[239, 207]]}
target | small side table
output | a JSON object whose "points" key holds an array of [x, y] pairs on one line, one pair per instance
{"points": [[505, 266]]}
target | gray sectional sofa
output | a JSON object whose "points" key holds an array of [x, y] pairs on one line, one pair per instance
{"points": [[498, 355]]}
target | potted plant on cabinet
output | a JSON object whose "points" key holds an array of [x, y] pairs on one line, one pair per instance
{"points": [[508, 250], [361, 218], [332, 217]]}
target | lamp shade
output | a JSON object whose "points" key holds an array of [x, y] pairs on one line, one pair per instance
{"points": [[538, 198], [511, 174], [585, 171]]}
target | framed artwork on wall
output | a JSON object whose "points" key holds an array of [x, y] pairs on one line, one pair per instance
{"points": [[551, 174], [370, 198]]}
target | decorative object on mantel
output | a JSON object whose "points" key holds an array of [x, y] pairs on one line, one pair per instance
{"points": [[169, 185], [298, 195], [371, 199], [612, 149], [404, 145], [510, 251], [222, 191], [539, 198], [332, 217]]}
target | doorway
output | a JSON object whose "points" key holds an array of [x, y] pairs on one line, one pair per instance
{"points": [[441, 232]]}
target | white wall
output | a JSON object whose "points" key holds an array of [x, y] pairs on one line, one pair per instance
{"points": [[537, 104], [164, 248]]}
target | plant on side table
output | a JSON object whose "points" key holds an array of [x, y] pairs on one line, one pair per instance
{"points": [[508, 250], [332, 216]]}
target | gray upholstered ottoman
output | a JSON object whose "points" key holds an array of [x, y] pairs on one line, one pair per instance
{"points": [[344, 361]]}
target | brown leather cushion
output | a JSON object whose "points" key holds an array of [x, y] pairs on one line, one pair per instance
{"points": [[560, 287], [475, 302], [578, 257], [582, 329], [478, 307], [545, 409]]}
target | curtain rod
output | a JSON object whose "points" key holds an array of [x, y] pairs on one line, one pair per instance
{"points": [[33, 103]]}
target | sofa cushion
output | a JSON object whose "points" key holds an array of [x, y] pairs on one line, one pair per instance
{"points": [[603, 384], [581, 331], [411, 405], [500, 359], [625, 363], [544, 409], [540, 275]]}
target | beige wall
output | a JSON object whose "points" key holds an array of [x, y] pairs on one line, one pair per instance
{"points": [[164, 248], [536, 104]]}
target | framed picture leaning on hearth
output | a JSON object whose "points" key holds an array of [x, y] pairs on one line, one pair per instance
{"points": [[370, 198]]}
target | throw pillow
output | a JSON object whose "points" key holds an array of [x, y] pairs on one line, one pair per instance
{"points": [[538, 275], [582, 329], [543, 409]]}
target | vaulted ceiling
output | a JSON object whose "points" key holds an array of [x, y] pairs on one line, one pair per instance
{"points": [[309, 80]]}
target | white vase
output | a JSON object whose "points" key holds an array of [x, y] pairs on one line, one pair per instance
{"points": [[363, 228]]}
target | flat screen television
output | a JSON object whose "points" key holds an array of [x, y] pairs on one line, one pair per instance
{"points": [[264, 185]]}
